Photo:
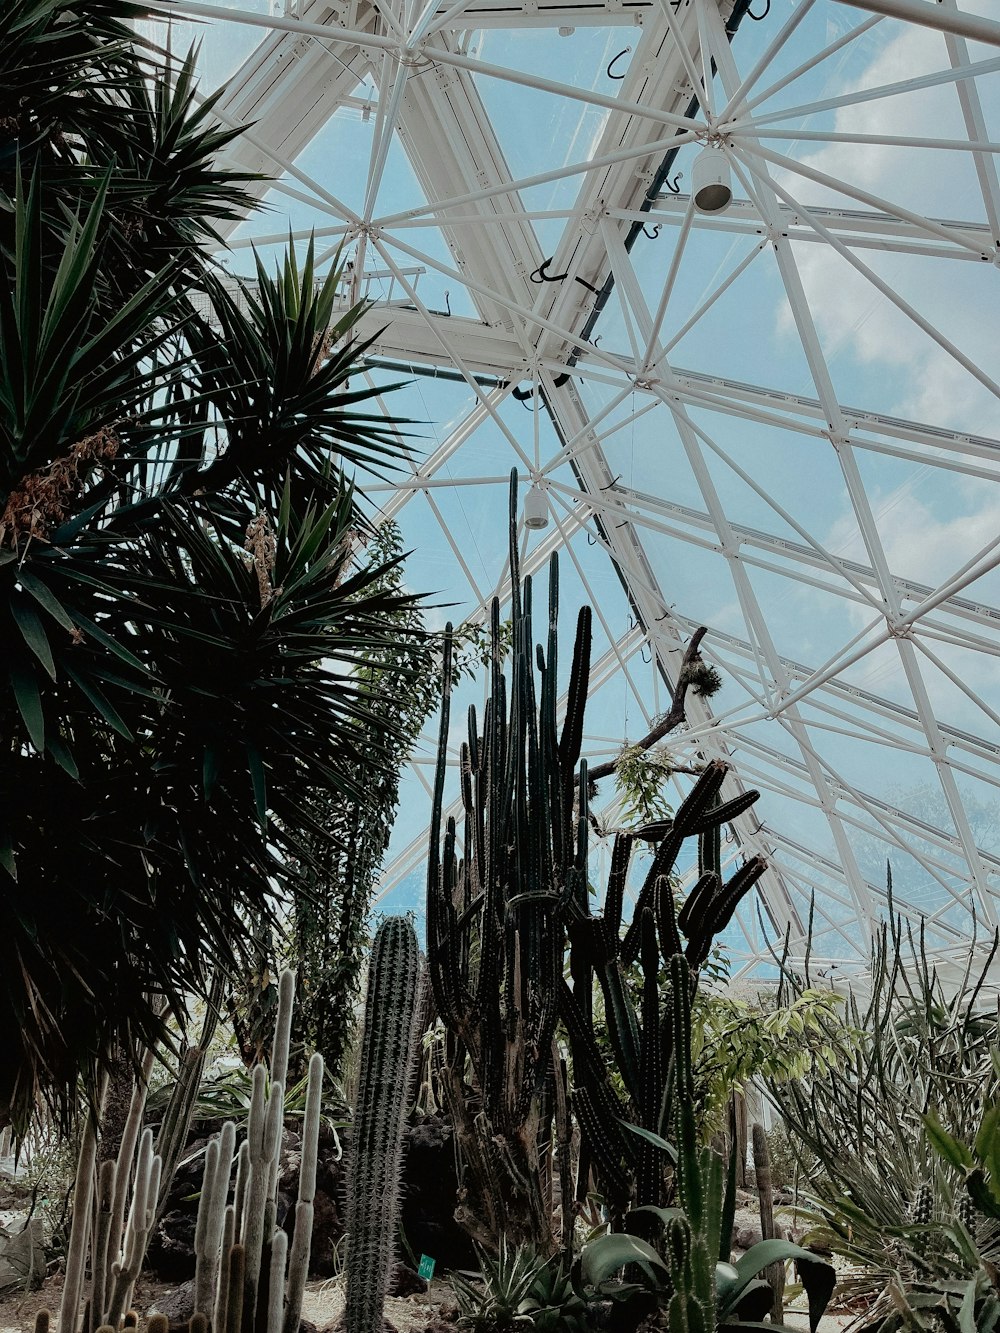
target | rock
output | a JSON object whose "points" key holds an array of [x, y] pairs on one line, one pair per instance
{"points": [[177, 1305], [745, 1238], [403, 1281], [743, 1198], [170, 1254], [22, 1257]]}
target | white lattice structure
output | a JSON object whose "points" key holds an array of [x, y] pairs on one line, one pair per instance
{"points": [[780, 420]]}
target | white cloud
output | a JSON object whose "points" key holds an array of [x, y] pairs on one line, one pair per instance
{"points": [[858, 326]]}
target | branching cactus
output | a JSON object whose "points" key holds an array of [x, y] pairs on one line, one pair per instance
{"points": [[373, 1191], [496, 917], [208, 1236], [264, 1139], [630, 1167], [125, 1271]]}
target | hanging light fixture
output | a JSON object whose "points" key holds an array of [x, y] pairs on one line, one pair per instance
{"points": [[711, 181], [536, 508]]}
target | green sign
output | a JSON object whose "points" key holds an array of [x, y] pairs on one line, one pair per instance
{"points": [[426, 1268]]}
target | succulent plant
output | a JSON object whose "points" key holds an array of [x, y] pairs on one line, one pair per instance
{"points": [[373, 1186]]}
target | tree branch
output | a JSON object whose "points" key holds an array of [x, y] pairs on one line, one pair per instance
{"points": [[671, 720]]}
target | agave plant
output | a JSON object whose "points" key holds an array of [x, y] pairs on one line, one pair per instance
{"points": [[181, 602]]}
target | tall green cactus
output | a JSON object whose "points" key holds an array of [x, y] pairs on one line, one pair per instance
{"points": [[496, 917], [630, 1167], [373, 1189]]}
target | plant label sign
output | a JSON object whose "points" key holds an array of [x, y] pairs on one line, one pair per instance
{"points": [[426, 1269]]}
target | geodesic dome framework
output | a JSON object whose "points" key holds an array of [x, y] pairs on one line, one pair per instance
{"points": [[778, 419]]}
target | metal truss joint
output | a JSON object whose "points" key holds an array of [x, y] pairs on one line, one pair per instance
{"points": [[899, 630]]}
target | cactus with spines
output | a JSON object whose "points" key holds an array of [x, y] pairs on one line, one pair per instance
{"points": [[373, 1189], [496, 916], [264, 1139], [775, 1273], [298, 1255], [125, 1271], [276, 1284], [208, 1234], [500, 916], [922, 1207], [967, 1213], [631, 1168], [99, 1250], [231, 1239], [83, 1193]]}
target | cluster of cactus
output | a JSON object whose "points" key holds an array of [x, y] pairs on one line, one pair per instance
{"points": [[246, 1275], [691, 1275], [496, 916], [630, 1167], [386, 1066], [500, 919]]}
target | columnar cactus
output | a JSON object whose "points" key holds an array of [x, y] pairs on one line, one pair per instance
{"points": [[99, 1250], [380, 1112], [124, 1271], [80, 1229], [630, 1167], [264, 1139], [298, 1257], [496, 918], [211, 1217]]}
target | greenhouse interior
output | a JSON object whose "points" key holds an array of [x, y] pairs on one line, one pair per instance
{"points": [[499, 797]]}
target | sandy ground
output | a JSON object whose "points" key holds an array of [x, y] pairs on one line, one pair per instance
{"points": [[322, 1306]]}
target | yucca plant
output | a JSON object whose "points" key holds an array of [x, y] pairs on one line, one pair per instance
{"points": [[181, 603]]}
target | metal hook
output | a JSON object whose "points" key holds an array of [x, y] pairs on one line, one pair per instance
{"points": [[615, 59], [542, 274], [673, 186], [612, 483], [758, 17], [643, 651], [654, 233]]}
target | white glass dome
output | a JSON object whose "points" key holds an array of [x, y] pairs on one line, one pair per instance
{"points": [[779, 420]]}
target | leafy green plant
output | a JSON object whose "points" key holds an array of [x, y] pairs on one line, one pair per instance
{"points": [[880, 1137], [640, 776], [500, 1299], [180, 609], [736, 1040]]}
